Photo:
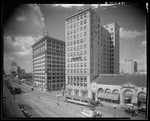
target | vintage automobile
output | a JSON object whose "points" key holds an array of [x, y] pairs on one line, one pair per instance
{"points": [[32, 88], [18, 90], [130, 109], [142, 109]]}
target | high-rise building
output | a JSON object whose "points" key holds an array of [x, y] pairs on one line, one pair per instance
{"points": [[90, 51], [128, 67], [49, 63], [113, 29], [14, 69], [13, 63]]}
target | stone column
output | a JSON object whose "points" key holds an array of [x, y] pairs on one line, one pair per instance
{"points": [[121, 97], [96, 96], [73, 91], [80, 92], [89, 94]]}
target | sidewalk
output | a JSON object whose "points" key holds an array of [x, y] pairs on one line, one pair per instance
{"points": [[66, 109], [10, 108]]}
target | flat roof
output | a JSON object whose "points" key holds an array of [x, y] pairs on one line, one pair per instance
{"points": [[78, 13], [138, 80], [45, 36]]}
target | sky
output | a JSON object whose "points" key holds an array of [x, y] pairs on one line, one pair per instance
{"points": [[28, 20]]}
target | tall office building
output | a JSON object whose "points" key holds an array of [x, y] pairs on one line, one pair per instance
{"points": [[49, 63], [113, 29], [14, 69], [90, 51], [128, 67]]}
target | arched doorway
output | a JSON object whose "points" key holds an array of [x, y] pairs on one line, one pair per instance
{"points": [[100, 90], [107, 91], [115, 91], [141, 98], [127, 95]]}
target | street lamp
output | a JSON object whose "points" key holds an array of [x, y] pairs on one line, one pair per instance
{"points": [[58, 98], [115, 110]]}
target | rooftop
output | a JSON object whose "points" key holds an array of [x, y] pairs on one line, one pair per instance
{"points": [[45, 36], [138, 80]]}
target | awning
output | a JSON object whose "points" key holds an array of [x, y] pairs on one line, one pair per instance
{"points": [[140, 99], [108, 96], [134, 100]]}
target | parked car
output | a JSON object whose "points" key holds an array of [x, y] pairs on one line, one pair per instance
{"points": [[129, 109], [18, 90], [98, 115], [142, 109], [27, 114], [32, 88]]}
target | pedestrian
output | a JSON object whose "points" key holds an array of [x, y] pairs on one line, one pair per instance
{"points": [[38, 98]]}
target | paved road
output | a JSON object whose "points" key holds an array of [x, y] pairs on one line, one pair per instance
{"points": [[47, 106]]}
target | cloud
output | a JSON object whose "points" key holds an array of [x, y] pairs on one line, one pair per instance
{"points": [[143, 43], [81, 6], [130, 34], [37, 15], [9, 45], [21, 18], [25, 43], [20, 45], [8, 58], [68, 5], [106, 4]]}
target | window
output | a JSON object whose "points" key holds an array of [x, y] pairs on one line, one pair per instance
{"points": [[84, 58], [77, 17], [81, 22], [84, 15], [84, 52], [77, 80], [84, 39], [81, 17], [85, 81], [85, 21], [81, 81], [85, 27]]}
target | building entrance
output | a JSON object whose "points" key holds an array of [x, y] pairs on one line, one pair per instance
{"points": [[127, 95], [93, 96]]}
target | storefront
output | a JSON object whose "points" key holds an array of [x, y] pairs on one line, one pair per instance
{"points": [[141, 99], [119, 89], [108, 97]]}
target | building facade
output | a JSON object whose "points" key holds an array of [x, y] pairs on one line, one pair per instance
{"points": [[49, 63], [120, 89], [128, 67], [90, 51], [14, 69]]}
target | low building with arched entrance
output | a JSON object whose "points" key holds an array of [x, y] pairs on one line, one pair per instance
{"points": [[119, 89]]}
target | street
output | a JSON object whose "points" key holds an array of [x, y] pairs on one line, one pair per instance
{"points": [[46, 105]]}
